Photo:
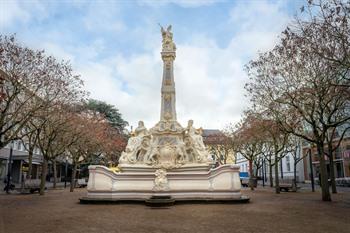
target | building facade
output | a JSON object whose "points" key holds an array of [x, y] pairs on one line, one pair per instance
{"points": [[19, 164], [341, 158], [286, 167]]}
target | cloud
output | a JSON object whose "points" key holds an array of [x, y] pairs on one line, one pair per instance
{"points": [[209, 84], [55, 50], [11, 12], [102, 16], [258, 25], [181, 3], [258, 15], [209, 74]]}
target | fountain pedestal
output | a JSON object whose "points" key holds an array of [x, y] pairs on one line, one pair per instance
{"points": [[183, 184]]}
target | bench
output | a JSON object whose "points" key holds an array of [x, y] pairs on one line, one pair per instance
{"points": [[245, 182], [344, 181], [81, 183], [32, 185], [286, 185]]}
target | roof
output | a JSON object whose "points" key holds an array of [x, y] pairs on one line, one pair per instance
{"points": [[209, 132], [213, 136]]}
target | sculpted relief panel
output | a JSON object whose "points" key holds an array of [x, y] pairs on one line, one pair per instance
{"points": [[172, 149]]}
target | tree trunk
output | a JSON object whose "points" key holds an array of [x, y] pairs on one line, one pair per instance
{"points": [[326, 196], [22, 180], [257, 171], [251, 184], [277, 184], [295, 176], [43, 177], [54, 174], [74, 172], [270, 174], [331, 170], [281, 165]]}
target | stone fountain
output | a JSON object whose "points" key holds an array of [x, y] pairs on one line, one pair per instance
{"points": [[166, 160]]}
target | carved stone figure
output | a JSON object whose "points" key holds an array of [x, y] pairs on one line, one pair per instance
{"points": [[181, 155], [194, 142], [152, 155], [137, 146], [144, 148], [161, 180], [141, 130], [195, 135]]}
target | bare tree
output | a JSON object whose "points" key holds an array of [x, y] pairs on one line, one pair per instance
{"points": [[267, 153], [276, 142], [29, 139], [295, 86], [324, 27], [249, 142], [221, 147], [95, 136], [52, 132], [20, 78], [31, 84], [294, 148]]}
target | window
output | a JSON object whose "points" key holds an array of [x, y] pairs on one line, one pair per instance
{"points": [[19, 146], [338, 153], [288, 163]]}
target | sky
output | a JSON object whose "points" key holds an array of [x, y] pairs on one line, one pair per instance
{"points": [[115, 47]]}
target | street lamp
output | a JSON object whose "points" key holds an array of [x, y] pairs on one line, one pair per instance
{"points": [[263, 172], [65, 173], [8, 184]]}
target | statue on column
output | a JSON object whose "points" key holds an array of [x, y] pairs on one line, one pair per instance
{"points": [[167, 144], [167, 42]]}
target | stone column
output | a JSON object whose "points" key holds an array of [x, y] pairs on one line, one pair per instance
{"points": [[168, 111]]}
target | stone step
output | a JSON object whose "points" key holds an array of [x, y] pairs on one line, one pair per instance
{"points": [[160, 201]]}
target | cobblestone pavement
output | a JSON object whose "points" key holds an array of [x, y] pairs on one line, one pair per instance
{"points": [[59, 211]]}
